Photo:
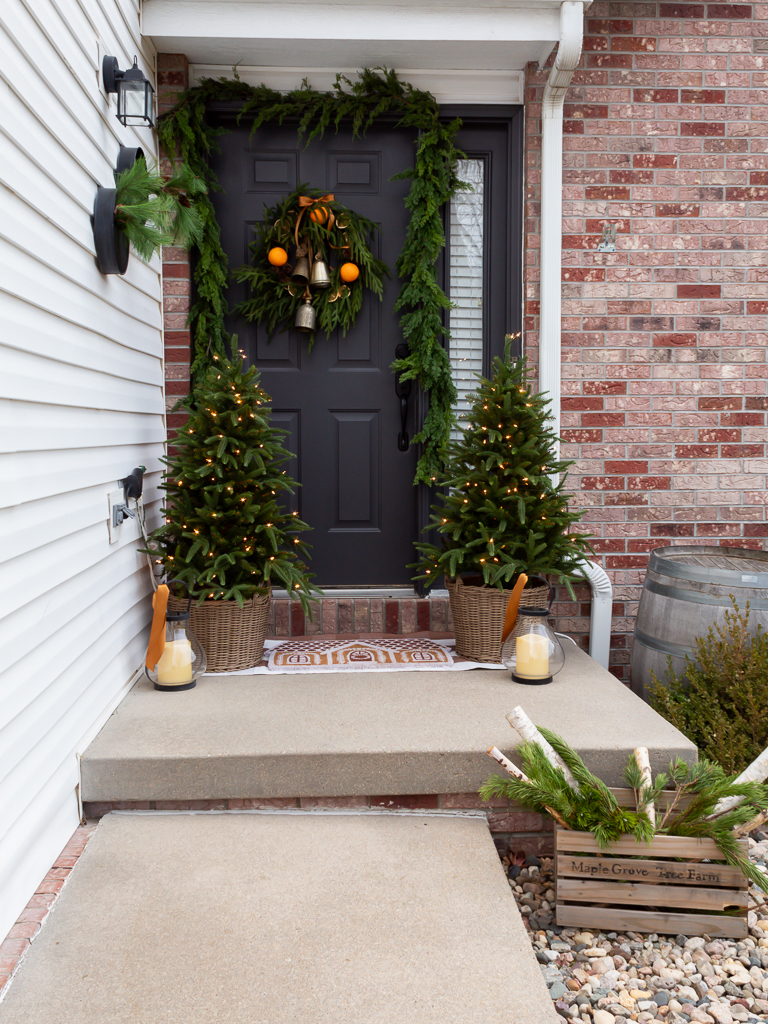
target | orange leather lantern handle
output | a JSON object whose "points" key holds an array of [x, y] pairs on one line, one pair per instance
{"points": [[512, 605], [157, 634]]}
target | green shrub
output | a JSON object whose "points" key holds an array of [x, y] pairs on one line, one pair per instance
{"points": [[720, 700]]}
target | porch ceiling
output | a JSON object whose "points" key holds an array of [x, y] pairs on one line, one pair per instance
{"points": [[429, 34]]}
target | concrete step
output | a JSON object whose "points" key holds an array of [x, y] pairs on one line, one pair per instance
{"points": [[283, 919], [366, 733]]}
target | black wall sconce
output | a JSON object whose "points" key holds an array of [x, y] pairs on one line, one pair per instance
{"points": [[112, 248], [135, 104]]}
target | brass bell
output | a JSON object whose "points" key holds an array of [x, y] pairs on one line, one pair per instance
{"points": [[300, 273], [320, 276], [306, 318]]}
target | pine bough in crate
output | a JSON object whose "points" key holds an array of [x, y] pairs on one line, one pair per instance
{"points": [[648, 858]]}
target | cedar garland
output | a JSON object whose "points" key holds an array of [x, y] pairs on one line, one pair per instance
{"points": [[153, 210], [185, 133]]}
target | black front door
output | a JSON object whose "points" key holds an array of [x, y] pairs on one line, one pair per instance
{"points": [[338, 401]]}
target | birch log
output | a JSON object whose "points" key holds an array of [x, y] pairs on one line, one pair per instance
{"points": [[525, 727], [643, 762], [756, 772], [508, 766], [750, 826]]}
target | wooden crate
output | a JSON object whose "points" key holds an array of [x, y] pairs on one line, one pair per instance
{"points": [[662, 887]]}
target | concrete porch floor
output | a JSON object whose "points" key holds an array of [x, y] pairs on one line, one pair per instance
{"points": [[345, 734]]}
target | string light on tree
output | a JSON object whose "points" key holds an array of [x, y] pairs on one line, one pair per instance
{"points": [[499, 513], [210, 522]]}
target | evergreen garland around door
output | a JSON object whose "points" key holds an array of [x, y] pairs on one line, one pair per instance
{"points": [[185, 132]]}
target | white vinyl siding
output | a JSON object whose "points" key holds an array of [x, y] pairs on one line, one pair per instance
{"points": [[81, 404]]}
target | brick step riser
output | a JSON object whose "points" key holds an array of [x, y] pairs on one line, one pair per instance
{"points": [[513, 829], [360, 615]]}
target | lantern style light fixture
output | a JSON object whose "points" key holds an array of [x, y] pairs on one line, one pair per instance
{"points": [[135, 103], [175, 659], [535, 654]]}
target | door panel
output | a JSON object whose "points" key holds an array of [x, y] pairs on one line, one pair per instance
{"points": [[354, 173], [358, 470], [290, 421], [270, 171]]}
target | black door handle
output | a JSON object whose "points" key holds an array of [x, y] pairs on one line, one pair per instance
{"points": [[403, 391]]}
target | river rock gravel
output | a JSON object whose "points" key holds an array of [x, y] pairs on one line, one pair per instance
{"points": [[611, 977]]}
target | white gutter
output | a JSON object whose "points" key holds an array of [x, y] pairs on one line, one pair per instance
{"points": [[550, 294]]}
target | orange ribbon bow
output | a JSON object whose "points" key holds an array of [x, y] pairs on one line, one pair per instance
{"points": [[157, 634], [309, 201], [305, 202], [512, 606]]}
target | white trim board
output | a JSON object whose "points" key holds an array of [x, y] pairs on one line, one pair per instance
{"points": [[447, 85], [489, 35]]}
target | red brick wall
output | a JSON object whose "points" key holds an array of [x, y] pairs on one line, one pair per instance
{"points": [[173, 78], [664, 371]]}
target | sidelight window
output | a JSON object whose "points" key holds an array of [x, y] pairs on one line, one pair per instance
{"points": [[466, 275]]}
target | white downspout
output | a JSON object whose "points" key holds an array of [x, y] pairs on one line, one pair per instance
{"points": [[602, 605], [560, 75]]}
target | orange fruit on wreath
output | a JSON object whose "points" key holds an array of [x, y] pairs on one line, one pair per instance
{"points": [[319, 214], [277, 257], [349, 272]]}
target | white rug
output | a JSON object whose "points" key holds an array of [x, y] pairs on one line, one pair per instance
{"points": [[379, 654]]}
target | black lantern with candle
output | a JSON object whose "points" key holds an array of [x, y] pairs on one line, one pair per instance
{"points": [[534, 654]]}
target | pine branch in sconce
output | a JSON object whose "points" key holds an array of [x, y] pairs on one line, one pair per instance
{"points": [[145, 211]]}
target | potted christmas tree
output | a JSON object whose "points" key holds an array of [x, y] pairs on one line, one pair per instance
{"points": [[226, 533], [499, 514]]}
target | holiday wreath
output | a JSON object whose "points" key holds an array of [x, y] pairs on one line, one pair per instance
{"points": [[306, 290], [186, 132]]}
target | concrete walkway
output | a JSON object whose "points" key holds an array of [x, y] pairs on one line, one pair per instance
{"points": [[283, 919]]}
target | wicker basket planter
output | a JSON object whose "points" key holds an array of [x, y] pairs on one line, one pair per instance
{"points": [[478, 616], [232, 637], [674, 885]]}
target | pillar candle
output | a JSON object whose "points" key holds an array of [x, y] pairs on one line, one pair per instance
{"points": [[532, 656], [175, 665]]}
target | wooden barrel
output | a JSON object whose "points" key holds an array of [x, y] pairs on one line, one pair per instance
{"points": [[687, 590]]}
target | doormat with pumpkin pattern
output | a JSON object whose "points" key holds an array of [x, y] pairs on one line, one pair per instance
{"points": [[398, 653]]}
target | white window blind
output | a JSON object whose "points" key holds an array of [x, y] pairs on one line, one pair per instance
{"points": [[466, 284]]}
